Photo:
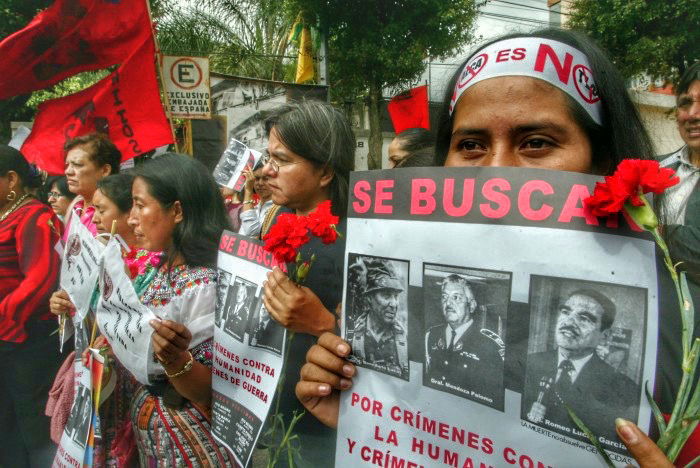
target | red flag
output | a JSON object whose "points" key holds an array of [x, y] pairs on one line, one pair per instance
{"points": [[125, 105], [69, 37], [410, 109]]}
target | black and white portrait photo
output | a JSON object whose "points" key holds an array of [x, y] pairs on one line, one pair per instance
{"points": [[80, 338], [229, 162], [78, 423], [376, 321], [585, 352], [265, 333], [465, 313], [222, 288], [236, 312]]}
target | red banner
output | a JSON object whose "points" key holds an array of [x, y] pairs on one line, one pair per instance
{"points": [[125, 105], [69, 37], [410, 109]]}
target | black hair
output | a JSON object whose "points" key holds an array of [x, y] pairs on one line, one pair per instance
{"points": [[321, 134], [13, 160], [424, 157], [258, 165], [61, 184], [100, 148], [117, 188], [414, 139], [622, 134], [609, 309], [692, 73], [175, 177]]}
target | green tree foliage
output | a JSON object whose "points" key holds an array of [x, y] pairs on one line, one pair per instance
{"points": [[375, 44], [241, 37], [655, 37]]}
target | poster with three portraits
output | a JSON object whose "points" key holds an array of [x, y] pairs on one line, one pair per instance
{"points": [[480, 304], [248, 346]]}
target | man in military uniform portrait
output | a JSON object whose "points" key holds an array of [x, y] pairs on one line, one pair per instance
{"points": [[573, 375], [379, 337], [460, 356]]}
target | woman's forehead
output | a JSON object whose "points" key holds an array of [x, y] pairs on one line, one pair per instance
{"points": [[512, 99]]}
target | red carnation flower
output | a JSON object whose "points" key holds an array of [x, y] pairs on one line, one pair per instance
{"points": [[632, 179], [286, 237], [322, 223]]}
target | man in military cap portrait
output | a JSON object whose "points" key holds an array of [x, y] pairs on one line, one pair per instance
{"points": [[379, 337], [460, 356]]}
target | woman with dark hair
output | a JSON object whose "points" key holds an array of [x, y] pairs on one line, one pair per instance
{"points": [[595, 100], [88, 159], [29, 357], [177, 209], [410, 144], [256, 202], [310, 155], [112, 201], [58, 196], [552, 101]]}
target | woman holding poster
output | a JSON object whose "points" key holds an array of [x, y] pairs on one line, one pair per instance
{"points": [[310, 155], [513, 103], [178, 210]]}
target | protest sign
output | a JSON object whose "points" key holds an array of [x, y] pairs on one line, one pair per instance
{"points": [[79, 267], [122, 319], [247, 102], [229, 171], [74, 440], [471, 344], [186, 80], [249, 346]]}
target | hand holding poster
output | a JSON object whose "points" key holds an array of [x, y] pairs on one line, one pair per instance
{"points": [[249, 346], [122, 319], [79, 267], [471, 348], [229, 171]]}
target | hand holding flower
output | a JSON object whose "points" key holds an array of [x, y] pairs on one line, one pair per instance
{"points": [[295, 307], [641, 447]]}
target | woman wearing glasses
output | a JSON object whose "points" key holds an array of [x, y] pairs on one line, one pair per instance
{"points": [[310, 155], [59, 197]]}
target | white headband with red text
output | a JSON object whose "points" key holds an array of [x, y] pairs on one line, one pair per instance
{"points": [[557, 63]]}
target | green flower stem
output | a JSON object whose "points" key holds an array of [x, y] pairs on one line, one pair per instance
{"points": [[286, 441], [684, 416]]}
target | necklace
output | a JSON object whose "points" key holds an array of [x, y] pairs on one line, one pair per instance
{"points": [[14, 207]]}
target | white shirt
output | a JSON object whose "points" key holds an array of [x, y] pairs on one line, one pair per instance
{"points": [[577, 363], [251, 220], [675, 199], [460, 330]]}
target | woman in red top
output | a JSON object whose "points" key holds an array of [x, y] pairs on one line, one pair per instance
{"points": [[29, 357]]}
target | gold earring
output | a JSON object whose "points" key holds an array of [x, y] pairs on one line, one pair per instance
{"points": [[12, 196]]}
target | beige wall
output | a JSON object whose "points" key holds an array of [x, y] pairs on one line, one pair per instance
{"points": [[657, 112]]}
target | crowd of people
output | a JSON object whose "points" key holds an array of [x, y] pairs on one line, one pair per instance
{"points": [[170, 213]]}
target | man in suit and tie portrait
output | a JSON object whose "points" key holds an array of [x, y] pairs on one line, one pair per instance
{"points": [[573, 375]]}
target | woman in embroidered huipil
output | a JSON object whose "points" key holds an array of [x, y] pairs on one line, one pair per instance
{"points": [[178, 210]]}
